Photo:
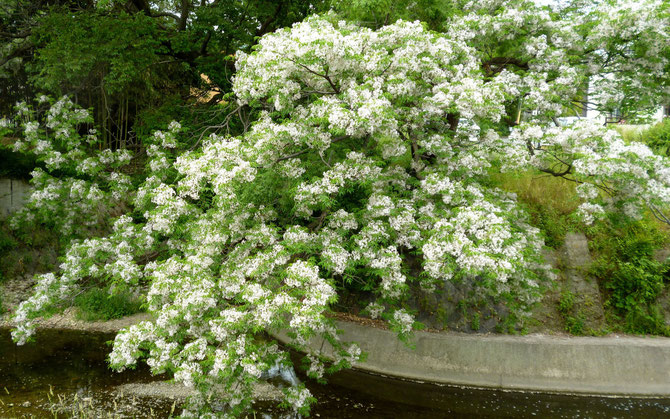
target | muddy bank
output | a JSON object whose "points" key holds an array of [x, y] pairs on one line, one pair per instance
{"points": [[68, 321]]}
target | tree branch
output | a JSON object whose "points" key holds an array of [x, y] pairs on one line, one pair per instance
{"points": [[267, 22], [307, 150], [658, 214], [26, 46], [325, 76], [185, 6], [497, 64]]}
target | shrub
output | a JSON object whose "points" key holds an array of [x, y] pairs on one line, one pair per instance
{"points": [[630, 277], [658, 137]]}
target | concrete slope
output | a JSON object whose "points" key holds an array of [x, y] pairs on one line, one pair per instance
{"points": [[591, 365]]}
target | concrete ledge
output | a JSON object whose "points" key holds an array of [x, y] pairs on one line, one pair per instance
{"points": [[610, 365]]}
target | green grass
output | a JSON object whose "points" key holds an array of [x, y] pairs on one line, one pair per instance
{"points": [[657, 137], [98, 304], [550, 202]]}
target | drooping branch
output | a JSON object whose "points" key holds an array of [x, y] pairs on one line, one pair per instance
{"points": [[325, 76], [658, 214], [555, 173]]}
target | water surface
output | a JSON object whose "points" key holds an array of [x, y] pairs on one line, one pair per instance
{"points": [[65, 371]]}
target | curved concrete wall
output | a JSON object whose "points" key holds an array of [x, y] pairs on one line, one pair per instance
{"points": [[590, 365]]}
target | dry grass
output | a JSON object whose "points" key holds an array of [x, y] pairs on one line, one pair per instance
{"points": [[541, 190], [631, 132], [550, 202]]}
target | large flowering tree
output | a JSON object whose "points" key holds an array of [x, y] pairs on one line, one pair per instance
{"points": [[369, 162]]}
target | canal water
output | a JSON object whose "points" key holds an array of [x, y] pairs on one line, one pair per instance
{"points": [[63, 374]]}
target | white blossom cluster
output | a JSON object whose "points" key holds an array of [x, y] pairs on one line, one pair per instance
{"points": [[79, 202], [368, 165], [612, 175]]}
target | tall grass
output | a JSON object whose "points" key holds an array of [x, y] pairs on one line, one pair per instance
{"points": [[550, 201], [631, 132]]}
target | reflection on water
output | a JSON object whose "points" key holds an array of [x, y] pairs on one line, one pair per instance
{"points": [[66, 370]]}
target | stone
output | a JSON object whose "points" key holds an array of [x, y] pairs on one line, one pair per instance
{"points": [[5, 197], [661, 255], [14, 195], [576, 261]]}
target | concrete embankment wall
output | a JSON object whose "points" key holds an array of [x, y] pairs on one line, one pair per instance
{"points": [[590, 365], [13, 195]]}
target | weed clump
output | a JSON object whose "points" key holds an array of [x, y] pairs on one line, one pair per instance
{"points": [[99, 304]]}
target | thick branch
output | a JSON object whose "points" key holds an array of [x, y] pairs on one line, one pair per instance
{"points": [[497, 64], [453, 120], [185, 6], [557, 174], [325, 76], [267, 22], [143, 6], [416, 156], [203, 46]]}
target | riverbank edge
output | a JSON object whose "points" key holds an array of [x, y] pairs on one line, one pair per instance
{"points": [[599, 366], [602, 366]]}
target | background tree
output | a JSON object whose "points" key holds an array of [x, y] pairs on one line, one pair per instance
{"points": [[137, 63]]}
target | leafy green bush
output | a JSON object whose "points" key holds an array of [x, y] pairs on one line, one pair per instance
{"points": [[575, 319], [566, 302], [99, 304], [658, 137], [631, 278], [6, 241]]}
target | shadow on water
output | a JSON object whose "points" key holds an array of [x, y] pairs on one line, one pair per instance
{"points": [[65, 371]]}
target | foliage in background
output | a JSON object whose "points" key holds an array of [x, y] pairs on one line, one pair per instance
{"points": [[630, 278], [125, 59], [658, 137], [377, 13]]}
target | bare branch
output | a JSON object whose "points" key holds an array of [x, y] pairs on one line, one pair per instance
{"points": [[658, 214], [325, 76]]}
